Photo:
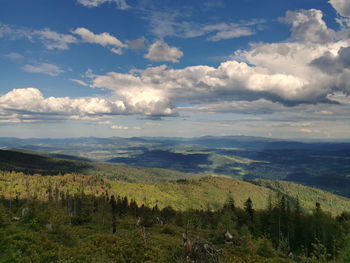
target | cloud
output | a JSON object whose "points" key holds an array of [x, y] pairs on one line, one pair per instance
{"points": [[105, 122], [103, 39], [153, 124], [80, 82], [342, 7], [164, 23], [117, 127], [137, 44], [272, 75], [14, 56], [223, 31], [232, 33], [306, 76], [121, 4], [232, 80], [161, 51], [337, 65], [50, 39], [309, 131], [257, 107], [54, 40], [43, 68], [308, 26], [331, 63], [324, 112], [117, 51], [85, 118], [30, 103], [13, 32], [138, 96], [300, 116]]}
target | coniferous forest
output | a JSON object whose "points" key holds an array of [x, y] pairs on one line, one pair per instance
{"points": [[73, 220]]}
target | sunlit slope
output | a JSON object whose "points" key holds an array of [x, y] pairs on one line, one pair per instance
{"points": [[208, 192], [307, 196], [203, 193]]}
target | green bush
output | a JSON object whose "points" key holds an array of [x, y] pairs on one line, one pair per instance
{"points": [[265, 248]]}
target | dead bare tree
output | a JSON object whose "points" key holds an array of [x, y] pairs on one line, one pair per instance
{"points": [[199, 251]]}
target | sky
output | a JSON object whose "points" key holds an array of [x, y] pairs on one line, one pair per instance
{"points": [[272, 68]]}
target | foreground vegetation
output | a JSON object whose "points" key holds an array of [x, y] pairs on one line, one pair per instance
{"points": [[75, 218], [83, 228]]}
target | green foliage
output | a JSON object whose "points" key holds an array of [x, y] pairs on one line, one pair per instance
{"points": [[265, 248], [76, 218], [307, 196], [4, 216], [319, 252], [201, 193], [45, 232], [344, 255]]}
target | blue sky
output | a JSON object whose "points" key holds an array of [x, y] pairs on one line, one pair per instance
{"points": [[272, 68]]}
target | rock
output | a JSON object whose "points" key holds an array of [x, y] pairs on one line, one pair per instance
{"points": [[25, 211], [160, 220], [228, 236]]}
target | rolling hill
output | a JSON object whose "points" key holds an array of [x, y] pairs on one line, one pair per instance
{"points": [[201, 193], [155, 186], [321, 164], [44, 164]]}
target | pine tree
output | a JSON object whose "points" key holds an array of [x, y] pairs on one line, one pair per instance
{"points": [[133, 208], [230, 205], [124, 206], [248, 208], [113, 204], [49, 193]]}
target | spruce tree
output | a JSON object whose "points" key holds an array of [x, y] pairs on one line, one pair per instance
{"points": [[113, 204]]}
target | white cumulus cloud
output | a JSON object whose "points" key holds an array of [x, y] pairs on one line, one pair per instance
{"points": [[32, 100], [308, 26], [287, 72], [342, 7], [161, 51]]}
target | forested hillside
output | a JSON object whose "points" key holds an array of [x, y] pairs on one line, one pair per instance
{"points": [[203, 193], [131, 214], [35, 163], [80, 219]]}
